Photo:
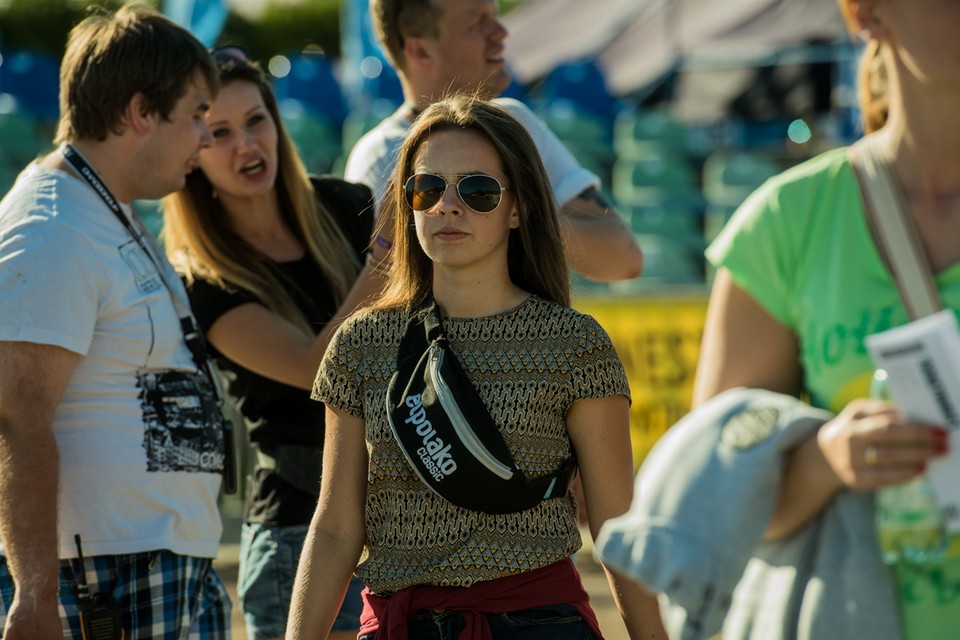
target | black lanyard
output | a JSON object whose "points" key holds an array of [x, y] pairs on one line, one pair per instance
{"points": [[191, 335]]}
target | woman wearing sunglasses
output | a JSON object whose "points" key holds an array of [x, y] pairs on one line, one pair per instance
{"points": [[477, 233], [273, 260]]}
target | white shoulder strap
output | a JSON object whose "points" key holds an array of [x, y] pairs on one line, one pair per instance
{"points": [[897, 238]]}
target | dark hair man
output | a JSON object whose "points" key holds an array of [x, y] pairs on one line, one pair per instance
{"points": [[110, 431]]}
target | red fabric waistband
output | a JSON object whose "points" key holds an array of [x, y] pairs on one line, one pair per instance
{"points": [[558, 583]]}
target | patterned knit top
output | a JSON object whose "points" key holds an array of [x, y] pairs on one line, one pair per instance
{"points": [[529, 365]]}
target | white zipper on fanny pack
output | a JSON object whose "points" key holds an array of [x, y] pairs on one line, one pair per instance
{"points": [[459, 422]]}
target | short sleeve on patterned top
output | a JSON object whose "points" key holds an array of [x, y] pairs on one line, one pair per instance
{"points": [[528, 365], [570, 351]]}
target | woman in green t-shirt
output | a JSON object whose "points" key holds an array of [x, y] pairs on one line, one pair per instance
{"points": [[800, 284]]}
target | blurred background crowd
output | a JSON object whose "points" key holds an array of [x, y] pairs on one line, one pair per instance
{"points": [[682, 107]]}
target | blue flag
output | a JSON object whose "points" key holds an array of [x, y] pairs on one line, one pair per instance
{"points": [[365, 73], [204, 18]]}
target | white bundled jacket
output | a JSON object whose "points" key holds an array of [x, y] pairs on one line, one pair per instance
{"points": [[703, 498]]}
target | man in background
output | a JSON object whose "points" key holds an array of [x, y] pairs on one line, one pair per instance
{"points": [[444, 46]]}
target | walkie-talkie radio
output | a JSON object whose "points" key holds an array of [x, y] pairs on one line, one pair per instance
{"points": [[99, 613]]}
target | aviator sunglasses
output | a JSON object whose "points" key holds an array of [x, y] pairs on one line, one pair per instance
{"points": [[479, 192]]}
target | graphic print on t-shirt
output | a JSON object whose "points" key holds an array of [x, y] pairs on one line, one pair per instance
{"points": [[183, 422], [144, 272]]}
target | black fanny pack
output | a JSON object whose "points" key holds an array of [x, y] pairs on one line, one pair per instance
{"points": [[447, 434]]}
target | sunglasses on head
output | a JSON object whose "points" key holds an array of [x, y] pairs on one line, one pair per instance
{"points": [[231, 53], [479, 192]]}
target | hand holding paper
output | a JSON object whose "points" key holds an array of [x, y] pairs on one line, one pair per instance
{"points": [[922, 361]]}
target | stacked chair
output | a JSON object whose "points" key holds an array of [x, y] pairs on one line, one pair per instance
{"points": [[729, 177], [656, 185]]}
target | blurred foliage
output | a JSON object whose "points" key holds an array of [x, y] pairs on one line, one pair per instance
{"points": [[283, 26], [44, 24]]}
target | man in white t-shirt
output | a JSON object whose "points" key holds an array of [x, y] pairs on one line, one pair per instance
{"points": [[110, 431], [439, 46]]}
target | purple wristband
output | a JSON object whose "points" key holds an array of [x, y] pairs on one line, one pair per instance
{"points": [[383, 242]]}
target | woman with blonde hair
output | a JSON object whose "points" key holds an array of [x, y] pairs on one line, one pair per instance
{"points": [[443, 545], [273, 261], [801, 284]]}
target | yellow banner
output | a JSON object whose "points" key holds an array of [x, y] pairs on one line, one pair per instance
{"points": [[658, 339]]}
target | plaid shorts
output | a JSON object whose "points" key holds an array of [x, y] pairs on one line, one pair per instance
{"points": [[160, 595]]}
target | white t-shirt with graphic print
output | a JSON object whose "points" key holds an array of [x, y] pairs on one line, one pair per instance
{"points": [[139, 452]]}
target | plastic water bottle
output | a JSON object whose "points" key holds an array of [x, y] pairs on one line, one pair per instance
{"points": [[910, 525]]}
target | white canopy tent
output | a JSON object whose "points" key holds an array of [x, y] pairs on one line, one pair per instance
{"points": [[637, 42]]}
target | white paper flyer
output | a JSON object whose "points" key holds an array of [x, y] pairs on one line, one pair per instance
{"points": [[922, 361]]}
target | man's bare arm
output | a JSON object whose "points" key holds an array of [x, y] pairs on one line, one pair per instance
{"points": [[600, 245], [32, 381]]}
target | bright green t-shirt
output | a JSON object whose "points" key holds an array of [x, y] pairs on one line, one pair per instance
{"points": [[800, 245]]}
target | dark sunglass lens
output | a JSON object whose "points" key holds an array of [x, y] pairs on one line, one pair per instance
{"points": [[424, 190], [480, 193]]}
